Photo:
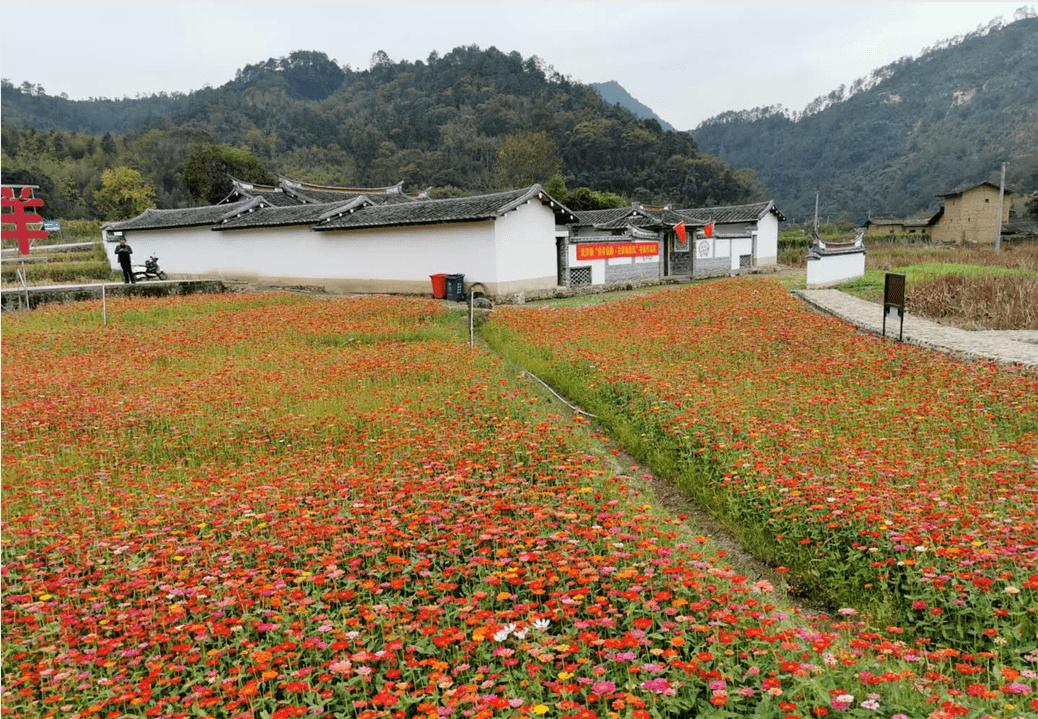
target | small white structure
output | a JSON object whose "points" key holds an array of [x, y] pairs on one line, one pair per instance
{"points": [[830, 263], [358, 241], [743, 237]]}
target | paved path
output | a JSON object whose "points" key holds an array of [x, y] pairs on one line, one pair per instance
{"points": [[1019, 347]]}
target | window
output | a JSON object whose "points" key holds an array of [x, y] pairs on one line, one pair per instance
{"points": [[579, 276]]}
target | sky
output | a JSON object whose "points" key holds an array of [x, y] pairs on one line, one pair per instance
{"points": [[686, 61]]}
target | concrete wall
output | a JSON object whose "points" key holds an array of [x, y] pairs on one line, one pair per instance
{"points": [[614, 270], [524, 248], [971, 217], [767, 241], [32, 297], [831, 270], [515, 253]]}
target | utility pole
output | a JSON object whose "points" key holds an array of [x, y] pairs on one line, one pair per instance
{"points": [[1001, 203]]}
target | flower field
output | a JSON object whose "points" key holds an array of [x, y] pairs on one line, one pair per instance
{"points": [[271, 506]]}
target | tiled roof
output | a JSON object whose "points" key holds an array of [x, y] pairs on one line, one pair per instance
{"points": [[730, 214], [345, 212], [665, 217], [284, 216], [599, 218], [152, 219], [455, 209], [279, 198], [1024, 227], [972, 186], [907, 222]]}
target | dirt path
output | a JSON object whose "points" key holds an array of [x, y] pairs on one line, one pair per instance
{"points": [[672, 501]]}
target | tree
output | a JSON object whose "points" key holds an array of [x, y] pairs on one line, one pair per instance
{"points": [[209, 168], [526, 159], [123, 194]]}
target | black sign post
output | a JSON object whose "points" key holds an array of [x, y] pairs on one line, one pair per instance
{"points": [[894, 299]]}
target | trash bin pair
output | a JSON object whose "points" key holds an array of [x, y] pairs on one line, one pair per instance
{"points": [[449, 287]]}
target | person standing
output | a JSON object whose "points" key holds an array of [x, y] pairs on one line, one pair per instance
{"points": [[123, 252]]}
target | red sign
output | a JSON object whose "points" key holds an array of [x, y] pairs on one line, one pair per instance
{"points": [[610, 250], [15, 214]]}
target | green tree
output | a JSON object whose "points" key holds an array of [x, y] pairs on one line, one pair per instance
{"points": [[123, 194], [208, 170], [527, 158]]}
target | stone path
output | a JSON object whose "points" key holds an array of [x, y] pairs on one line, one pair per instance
{"points": [[1017, 347]]}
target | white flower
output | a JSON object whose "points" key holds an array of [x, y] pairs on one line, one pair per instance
{"points": [[541, 625]]}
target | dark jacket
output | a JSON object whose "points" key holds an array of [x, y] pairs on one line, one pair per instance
{"points": [[123, 252]]}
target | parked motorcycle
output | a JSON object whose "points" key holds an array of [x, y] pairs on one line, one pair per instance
{"points": [[150, 270]]}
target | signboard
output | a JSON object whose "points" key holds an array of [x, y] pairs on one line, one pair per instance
{"points": [[14, 213], [611, 250], [894, 301], [51, 226]]}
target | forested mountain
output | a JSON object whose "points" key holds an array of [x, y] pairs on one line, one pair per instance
{"points": [[913, 129], [613, 93], [461, 123]]}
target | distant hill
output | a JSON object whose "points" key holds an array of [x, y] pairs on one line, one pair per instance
{"points": [[613, 93], [912, 129], [472, 120]]}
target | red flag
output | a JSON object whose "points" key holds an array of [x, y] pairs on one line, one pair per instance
{"points": [[709, 229], [680, 230]]}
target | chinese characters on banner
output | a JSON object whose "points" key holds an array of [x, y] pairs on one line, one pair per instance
{"points": [[14, 213], [610, 250]]}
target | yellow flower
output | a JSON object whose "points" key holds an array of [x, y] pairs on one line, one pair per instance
{"points": [[540, 709]]}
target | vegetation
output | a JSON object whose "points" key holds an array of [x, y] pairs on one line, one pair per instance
{"points": [[271, 506], [123, 194], [466, 122], [972, 288], [893, 141], [76, 266], [208, 170]]}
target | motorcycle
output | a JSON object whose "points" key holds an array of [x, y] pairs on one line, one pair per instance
{"points": [[149, 271]]}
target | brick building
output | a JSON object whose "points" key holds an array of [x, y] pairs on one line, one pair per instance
{"points": [[970, 214]]}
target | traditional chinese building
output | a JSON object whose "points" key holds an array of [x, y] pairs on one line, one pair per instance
{"points": [[520, 242]]}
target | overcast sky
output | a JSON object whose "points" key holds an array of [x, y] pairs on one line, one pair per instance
{"points": [[686, 61]]}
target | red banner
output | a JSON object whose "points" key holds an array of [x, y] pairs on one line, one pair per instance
{"points": [[610, 250]]}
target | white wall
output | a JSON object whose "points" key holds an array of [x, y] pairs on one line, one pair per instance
{"points": [[524, 241], [518, 249], [833, 269], [767, 240]]}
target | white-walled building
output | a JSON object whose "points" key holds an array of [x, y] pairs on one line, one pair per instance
{"points": [[616, 246], [363, 241], [519, 242]]}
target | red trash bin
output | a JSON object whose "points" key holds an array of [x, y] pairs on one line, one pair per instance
{"points": [[439, 284]]}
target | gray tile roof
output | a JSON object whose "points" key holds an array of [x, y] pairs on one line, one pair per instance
{"points": [[664, 217], [308, 214], [971, 186], [346, 211], [600, 218], [730, 214], [455, 209], [152, 219]]}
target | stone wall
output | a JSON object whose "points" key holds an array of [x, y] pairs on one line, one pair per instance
{"points": [[712, 267], [16, 298]]}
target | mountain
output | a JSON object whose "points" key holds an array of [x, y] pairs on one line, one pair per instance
{"points": [[472, 120], [911, 130], [613, 93]]}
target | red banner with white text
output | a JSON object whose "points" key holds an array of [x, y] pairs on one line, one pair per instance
{"points": [[610, 250]]}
